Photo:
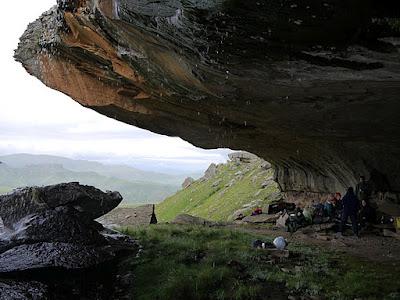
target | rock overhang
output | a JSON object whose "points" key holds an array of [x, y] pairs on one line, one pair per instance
{"points": [[311, 86]]}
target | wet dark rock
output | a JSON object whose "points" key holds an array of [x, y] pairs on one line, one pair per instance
{"points": [[89, 202], [54, 254], [106, 281], [54, 226], [51, 247], [22, 290]]}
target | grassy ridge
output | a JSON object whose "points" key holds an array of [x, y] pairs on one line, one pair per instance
{"points": [[196, 262], [217, 198]]}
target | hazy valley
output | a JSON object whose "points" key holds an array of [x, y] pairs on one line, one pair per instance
{"points": [[136, 186]]}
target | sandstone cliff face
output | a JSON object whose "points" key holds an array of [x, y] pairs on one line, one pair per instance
{"points": [[311, 86]]}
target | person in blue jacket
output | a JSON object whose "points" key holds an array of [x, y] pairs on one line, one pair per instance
{"points": [[350, 209]]}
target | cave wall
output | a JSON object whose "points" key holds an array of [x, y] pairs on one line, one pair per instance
{"points": [[312, 86]]}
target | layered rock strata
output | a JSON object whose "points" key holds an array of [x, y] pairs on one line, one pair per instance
{"points": [[311, 86]]}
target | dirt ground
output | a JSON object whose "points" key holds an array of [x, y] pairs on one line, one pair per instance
{"points": [[369, 246]]}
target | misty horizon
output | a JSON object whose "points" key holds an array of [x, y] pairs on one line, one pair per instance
{"points": [[35, 119]]}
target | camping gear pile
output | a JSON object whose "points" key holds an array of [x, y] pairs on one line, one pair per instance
{"points": [[323, 214], [296, 218]]}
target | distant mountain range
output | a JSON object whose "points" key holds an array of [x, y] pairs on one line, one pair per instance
{"points": [[136, 186]]}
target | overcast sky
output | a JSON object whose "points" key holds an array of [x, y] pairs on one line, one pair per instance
{"points": [[35, 119]]}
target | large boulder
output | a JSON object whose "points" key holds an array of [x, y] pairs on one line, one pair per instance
{"points": [[262, 218], [210, 172], [22, 290], [54, 227], [242, 157], [54, 255], [89, 202], [185, 219]]}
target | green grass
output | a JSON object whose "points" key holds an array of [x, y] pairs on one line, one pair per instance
{"points": [[196, 262], [205, 198]]}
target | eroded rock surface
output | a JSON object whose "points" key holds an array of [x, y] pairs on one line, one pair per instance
{"points": [[10, 289], [52, 229], [311, 86]]}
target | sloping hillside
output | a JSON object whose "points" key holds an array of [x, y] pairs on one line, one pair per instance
{"points": [[124, 172], [39, 173], [225, 190]]}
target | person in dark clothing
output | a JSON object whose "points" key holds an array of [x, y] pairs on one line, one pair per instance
{"points": [[350, 208], [367, 214], [328, 206], [153, 219], [363, 190]]}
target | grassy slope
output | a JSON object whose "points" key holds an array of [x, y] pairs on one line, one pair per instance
{"points": [[194, 262], [219, 202]]}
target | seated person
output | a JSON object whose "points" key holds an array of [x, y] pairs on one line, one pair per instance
{"points": [[337, 201], [367, 214], [318, 216], [328, 206], [308, 213], [257, 211]]}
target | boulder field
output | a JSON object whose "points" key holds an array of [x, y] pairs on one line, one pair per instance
{"points": [[310, 86]]}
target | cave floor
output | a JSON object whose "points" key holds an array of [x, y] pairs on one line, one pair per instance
{"points": [[369, 246]]}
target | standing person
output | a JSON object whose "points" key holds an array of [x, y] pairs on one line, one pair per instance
{"points": [[153, 219], [350, 208], [363, 190]]}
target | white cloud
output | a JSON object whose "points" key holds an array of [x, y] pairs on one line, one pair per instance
{"points": [[36, 119]]}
